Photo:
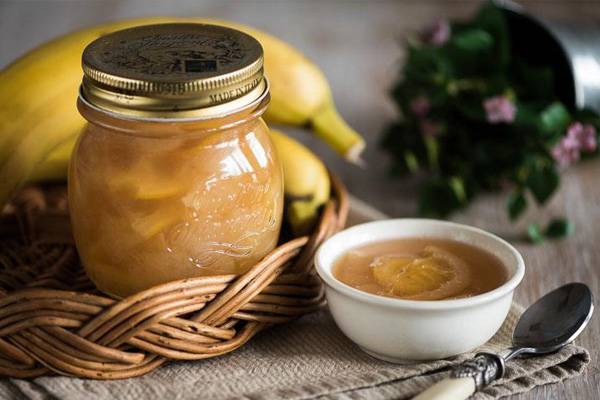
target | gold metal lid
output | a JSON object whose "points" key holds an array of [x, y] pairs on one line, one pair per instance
{"points": [[175, 70]]}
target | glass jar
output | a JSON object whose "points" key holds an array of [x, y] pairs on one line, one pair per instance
{"points": [[175, 175]]}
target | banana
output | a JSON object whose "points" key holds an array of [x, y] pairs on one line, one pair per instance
{"points": [[306, 182], [56, 165], [37, 104], [39, 90]]}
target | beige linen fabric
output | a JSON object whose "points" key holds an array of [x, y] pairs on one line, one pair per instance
{"points": [[306, 359]]}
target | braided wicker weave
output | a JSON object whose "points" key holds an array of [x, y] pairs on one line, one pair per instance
{"points": [[53, 321]]}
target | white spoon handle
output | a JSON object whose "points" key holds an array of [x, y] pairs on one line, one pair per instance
{"points": [[449, 389], [466, 378]]}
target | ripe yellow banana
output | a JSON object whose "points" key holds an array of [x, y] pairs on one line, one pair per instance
{"points": [[55, 167], [306, 180], [39, 90]]}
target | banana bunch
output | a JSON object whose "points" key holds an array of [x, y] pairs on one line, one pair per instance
{"points": [[39, 123]]}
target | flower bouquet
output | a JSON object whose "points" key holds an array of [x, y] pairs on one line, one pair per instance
{"points": [[477, 117]]}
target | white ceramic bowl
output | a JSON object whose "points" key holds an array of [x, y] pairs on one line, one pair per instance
{"points": [[407, 330]]}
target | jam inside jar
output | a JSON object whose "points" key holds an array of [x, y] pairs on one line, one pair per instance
{"points": [[157, 199]]}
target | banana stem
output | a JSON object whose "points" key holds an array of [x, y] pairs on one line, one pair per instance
{"points": [[329, 126]]}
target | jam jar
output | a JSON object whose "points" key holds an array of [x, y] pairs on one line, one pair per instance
{"points": [[174, 175]]}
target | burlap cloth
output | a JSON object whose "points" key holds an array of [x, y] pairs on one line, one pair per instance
{"points": [[305, 359]]}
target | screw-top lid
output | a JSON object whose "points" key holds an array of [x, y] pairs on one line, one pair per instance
{"points": [[174, 71]]}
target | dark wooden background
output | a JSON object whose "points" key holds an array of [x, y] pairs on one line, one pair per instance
{"points": [[357, 44]]}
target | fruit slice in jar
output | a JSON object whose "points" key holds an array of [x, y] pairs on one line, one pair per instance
{"points": [[148, 218], [156, 191], [151, 176], [143, 184], [434, 275]]}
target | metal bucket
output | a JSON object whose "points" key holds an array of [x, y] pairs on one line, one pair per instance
{"points": [[571, 48]]}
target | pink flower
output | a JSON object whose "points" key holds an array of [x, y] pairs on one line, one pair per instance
{"points": [[564, 153], [429, 128], [581, 137], [499, 109], [420, 106], [437, 33], [571, 142]]}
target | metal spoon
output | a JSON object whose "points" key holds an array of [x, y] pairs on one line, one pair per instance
{"points": [[546, 326]]}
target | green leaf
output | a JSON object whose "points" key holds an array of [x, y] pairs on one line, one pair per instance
{"points": [[543, 181], [526, 116], [554, 120], [491, 19], [534, 233], [469, 52], [431, 144], [438, 199], [471, 108], [426, 65], [412, 163], [559, 228], [458, 187], [516, 204], [537, 82], [473, 41]]}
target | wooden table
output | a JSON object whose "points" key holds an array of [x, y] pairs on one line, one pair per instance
{"points": [[357, 46]]}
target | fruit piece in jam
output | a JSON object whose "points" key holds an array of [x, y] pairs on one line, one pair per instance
{"points": [[435, 274]]}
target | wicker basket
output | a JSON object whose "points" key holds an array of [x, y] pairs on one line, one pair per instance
{"points": [[53, 320]]}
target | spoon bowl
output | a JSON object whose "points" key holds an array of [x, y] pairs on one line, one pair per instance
{"points": [[553, 321]]}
